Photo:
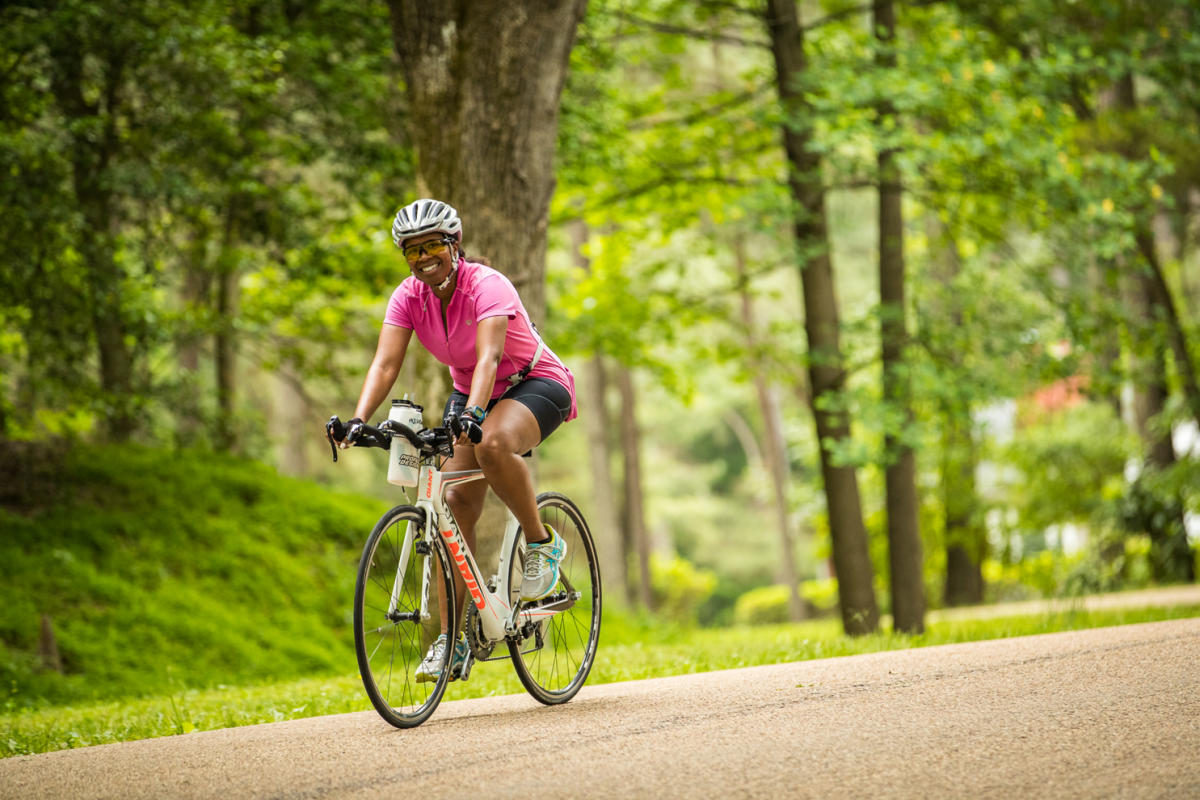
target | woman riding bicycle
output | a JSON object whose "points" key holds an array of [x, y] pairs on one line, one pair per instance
{"points": [[510, 390]]}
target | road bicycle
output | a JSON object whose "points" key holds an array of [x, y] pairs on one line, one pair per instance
{"points": [[405, 594]]}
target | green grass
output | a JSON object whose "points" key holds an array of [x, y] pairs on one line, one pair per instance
{"points": [[194, 591], [628, 652], [160, 569]]}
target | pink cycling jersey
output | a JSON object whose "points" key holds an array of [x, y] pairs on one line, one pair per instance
{"points": [[481, 292]]}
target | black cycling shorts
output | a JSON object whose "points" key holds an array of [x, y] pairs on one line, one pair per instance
{"points": [[548, 399]]}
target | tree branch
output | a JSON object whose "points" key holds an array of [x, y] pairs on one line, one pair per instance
{"points": [[676, 30], [696, 116], [863, 9]]}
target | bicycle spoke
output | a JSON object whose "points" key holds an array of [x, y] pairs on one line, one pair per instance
{"points": [[388, 634], [554, 671]]}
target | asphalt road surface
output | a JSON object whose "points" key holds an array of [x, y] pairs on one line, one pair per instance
{"points": [[1110, 712]]}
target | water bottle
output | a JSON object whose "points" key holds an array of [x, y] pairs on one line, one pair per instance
{"points": [[403, 461]]}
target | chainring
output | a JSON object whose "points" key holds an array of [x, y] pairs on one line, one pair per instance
{"points": [[480, 646]]}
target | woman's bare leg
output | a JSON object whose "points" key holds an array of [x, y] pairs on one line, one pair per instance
{"points": [[466, 504], [509, 430]]}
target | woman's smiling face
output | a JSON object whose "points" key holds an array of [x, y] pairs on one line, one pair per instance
{"points": [[430, 267]]}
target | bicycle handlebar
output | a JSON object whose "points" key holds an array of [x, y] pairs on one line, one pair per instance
{"points": [[428, 442]]}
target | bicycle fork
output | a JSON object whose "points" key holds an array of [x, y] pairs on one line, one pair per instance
{"points": [[409, 544]]}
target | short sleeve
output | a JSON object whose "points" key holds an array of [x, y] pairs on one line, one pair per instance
{"points": [[495, 296], [397, 309]]}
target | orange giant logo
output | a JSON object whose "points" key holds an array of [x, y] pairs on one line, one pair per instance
{"points": [[461, 560]]}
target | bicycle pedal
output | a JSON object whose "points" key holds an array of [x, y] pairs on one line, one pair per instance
{"points": [[464, 671]]}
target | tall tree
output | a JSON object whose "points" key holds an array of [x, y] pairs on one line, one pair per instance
{"points": [[827, 376], [903, 527], [484, 80], [638, 538], [610, 540], [964, 534], [1155, 327], [774, 453], [90, 70]]}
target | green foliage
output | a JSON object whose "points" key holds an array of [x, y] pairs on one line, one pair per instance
{"points": [[1151, 507], [1117, 562], [769, 604], [161, 156], [153, 152], [1071, 466], [679, 587], [1039, 575], [174, 570]]}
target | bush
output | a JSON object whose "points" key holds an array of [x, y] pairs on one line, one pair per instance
{"points": [[1041, 575], [769, 604], [766, 605], [680, 587], [821, 594]]}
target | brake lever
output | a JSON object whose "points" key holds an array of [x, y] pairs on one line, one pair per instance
{"points": [[334, 425]]}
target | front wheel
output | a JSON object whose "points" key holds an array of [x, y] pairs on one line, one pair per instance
{"points": [[553, 654], [404, 584]]}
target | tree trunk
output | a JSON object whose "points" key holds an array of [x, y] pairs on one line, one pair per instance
{"points": [[49, 659], [484, 79], [194, 298], [291, 413], [851, 558], [774, 457], [225, 362], [1161, 518], [1159, 295], [1103, 285], [903, 524], [635, 515], [1157, 291], [1156, 327], [94, 141], [610, 542], [966, 539], [964, 535]]}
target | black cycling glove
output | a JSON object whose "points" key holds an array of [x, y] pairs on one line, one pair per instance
{"points": [[353, 429], [472, 428]]}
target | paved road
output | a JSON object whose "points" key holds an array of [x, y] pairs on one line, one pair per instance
{"points": [[1111, 712]]}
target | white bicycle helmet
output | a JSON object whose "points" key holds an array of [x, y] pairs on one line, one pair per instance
{"points": [[426, 216]]}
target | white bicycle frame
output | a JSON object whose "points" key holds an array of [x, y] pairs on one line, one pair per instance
{"points": [[498, 617]]}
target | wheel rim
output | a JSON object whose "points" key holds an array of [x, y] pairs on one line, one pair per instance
{"points": [[560, 665], [392, 639]]}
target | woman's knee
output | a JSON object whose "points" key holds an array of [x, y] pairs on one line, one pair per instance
{"points": [[465, 504], [495, 448]]}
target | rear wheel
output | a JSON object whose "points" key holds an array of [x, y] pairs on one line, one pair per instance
{"points": [[553, 653], [398, 616]]}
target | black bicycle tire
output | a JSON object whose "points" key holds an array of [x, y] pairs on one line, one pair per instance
{"points": [[385, 709], [524, 673]]}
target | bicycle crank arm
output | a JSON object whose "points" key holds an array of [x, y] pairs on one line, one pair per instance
{"points": [[558, 602]]}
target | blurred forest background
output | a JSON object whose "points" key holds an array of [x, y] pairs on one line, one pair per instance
{"points": [[890, 303]]}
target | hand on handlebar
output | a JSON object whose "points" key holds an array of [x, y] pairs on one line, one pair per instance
{"points": [[353, 429], [342, 434], [466, 429]]}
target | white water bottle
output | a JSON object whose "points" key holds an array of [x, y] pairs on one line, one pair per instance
{"points": [[403, 461]]}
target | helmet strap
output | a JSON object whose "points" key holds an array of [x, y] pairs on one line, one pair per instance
{"points": [[453, 271]]}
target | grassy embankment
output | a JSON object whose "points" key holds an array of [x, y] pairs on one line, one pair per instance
{"points": [[201, 592]]}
